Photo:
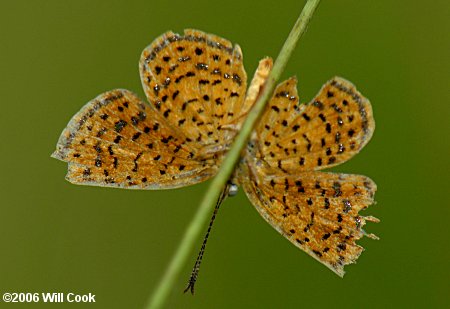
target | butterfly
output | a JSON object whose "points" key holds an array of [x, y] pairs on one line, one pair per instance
{"points": [[198, 99]]}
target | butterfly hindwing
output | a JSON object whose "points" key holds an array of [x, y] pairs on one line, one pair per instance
{"points": [[117, 140], [316, 211]]}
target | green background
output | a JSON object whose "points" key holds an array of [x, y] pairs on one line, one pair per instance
{"points": [[57, 237]]}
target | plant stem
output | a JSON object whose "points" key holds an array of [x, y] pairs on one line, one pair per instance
{"points": [[218, 183]]}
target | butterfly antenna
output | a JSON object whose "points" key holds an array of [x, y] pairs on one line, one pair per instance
{"points": [[196, 268]]}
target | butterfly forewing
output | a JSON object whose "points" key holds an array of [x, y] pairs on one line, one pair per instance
{"points": [[197, 82], [325, 132]]}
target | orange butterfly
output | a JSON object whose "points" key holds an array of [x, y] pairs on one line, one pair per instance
{"points": [[197, 89]]}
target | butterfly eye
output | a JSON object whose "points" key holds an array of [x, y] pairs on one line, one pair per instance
{"points": [[233, 190]]}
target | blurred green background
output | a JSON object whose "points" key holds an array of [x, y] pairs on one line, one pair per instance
{"points": [[57, 237]]}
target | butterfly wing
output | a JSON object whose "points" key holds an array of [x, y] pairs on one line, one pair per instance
{"points": [[316, 211], [328, 131], [197, 82], [117, 140]]}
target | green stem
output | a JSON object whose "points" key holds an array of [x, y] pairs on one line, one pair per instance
{"points": [[218, 183]]}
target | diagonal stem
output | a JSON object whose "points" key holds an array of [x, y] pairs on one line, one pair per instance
{"points": [[195, 228]]}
